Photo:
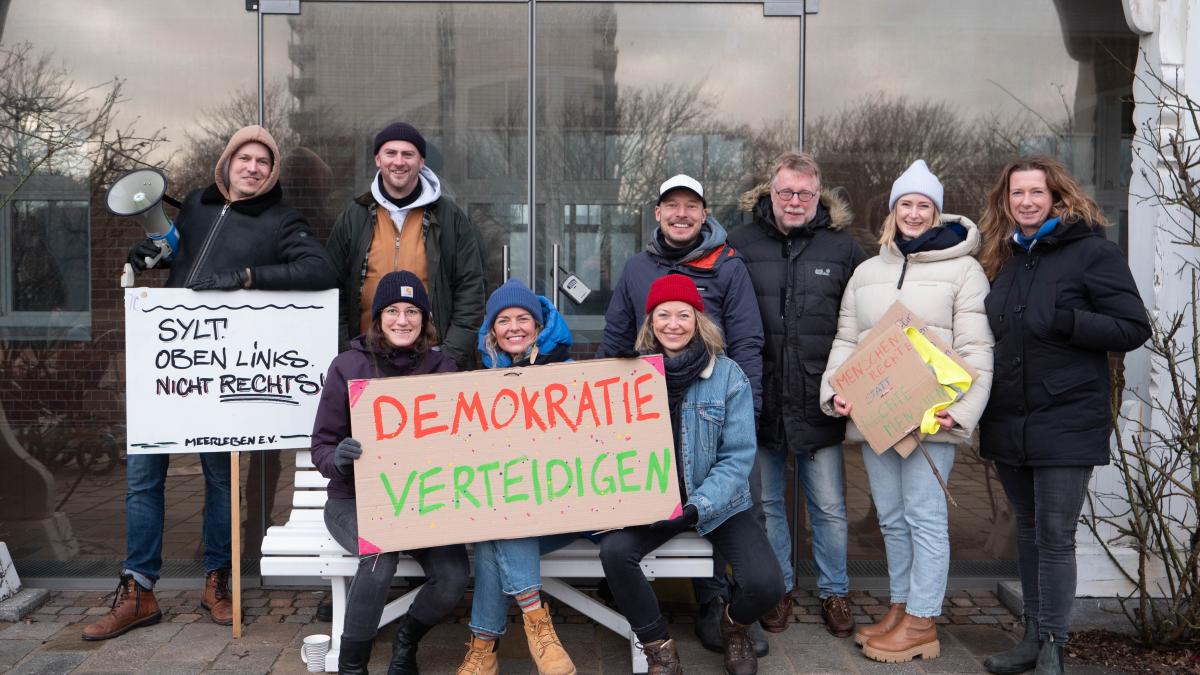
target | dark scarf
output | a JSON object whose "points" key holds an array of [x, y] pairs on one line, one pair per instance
{"points": [[682, 370], [933, 239], [666, 250], [400, 203]]}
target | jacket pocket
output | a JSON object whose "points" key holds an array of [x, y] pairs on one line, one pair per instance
{"points": [[1062, 382], [813, 370]]}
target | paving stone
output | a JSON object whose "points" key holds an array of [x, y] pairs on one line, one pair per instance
{"points": [[196, 644], [118, 656], [254, 602], [981, 641], [12, 651], [23, 603], [38, 630], [984, 619], [49, 663], [158, 634], [185, 618]]}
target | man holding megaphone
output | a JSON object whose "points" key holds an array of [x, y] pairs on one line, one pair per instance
{"points": [[233, 234]]}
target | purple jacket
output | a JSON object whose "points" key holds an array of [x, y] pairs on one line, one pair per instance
{"points": [[332, 424]]}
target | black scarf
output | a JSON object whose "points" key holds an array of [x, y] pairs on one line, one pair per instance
{"points": [[666, 250], [682, 370], [933, 239]]}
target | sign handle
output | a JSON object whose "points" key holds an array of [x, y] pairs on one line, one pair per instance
{"points": [[937, 474], [235, 521]]}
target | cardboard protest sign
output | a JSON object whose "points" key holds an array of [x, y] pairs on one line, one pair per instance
{"points": [[888, 387], [900, 315], [229, 370], [515, 452]]}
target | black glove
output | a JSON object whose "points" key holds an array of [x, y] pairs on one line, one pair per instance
{"points": [[627, 354], [145, 248], [221, 281], [347, 451], [683, 521]]}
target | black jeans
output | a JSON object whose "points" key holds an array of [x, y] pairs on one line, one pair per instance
{"points": [[717, 586], [446, 571], [740, 540], [1046, 502]]}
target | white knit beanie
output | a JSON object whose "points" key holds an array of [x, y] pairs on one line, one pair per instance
{"points": [[917, 178]]}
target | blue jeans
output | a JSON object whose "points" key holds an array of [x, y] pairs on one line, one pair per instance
{"points": [[822, 476], [506, 568], [146, 478], [1047, 502], [914, 521]]}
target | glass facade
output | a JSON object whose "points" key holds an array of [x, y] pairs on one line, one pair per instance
{"points": [[623, 96]]}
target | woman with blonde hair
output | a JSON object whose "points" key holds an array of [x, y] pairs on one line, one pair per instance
{"points": [[1062, 298], [925, 261]]}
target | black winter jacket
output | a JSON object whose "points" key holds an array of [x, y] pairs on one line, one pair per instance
{"points": [[1056, 312], [454, 261], [271, 239], [799, 280]]}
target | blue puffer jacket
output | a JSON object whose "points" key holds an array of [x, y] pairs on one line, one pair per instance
{"points": [[718, 443], [554, 342]]}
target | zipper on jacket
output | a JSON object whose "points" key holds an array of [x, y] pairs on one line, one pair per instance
{"points": [[786, 297], [212, 234], [903, 271], [396, 256]]}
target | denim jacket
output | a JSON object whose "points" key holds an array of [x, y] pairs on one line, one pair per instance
{"points": [[717, 434]]}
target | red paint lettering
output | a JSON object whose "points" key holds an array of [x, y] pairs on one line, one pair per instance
{"points": [[638, 399], [419, 418], [512, 397], [554, 405], [472, 410], [378, 409]]}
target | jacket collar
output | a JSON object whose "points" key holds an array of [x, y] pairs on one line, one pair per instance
{"points": [[253, 207], [968, 246]]}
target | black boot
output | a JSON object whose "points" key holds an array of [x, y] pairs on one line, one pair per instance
{"points": [[1020, 657], [708, 625], [1050, 659], [761, 646], [353, 658], [404, 647]]}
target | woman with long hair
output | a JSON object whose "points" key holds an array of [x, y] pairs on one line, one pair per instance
{"points": [[521, 329], [1062, 298], [925, 261], [712, 420], [399, 342]]}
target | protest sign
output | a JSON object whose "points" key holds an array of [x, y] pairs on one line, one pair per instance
{"points": [[888, 387], [900, 315], [514, 452], [229, 370]]}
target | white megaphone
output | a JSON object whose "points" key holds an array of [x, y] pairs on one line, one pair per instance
{"points": [[140, 193]]}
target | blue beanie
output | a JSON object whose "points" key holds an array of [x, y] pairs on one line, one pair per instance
{"points": [[513, 294], [402, 286]]}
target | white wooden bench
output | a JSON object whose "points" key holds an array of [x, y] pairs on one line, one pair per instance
{"points": [[304, 548]]}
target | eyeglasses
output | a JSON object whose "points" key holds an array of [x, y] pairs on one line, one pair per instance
{"points": [[804, 195], [410, 313]]}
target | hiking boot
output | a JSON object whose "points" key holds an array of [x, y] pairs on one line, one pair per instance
{"points": [[739, 647], [132, 607], [480, 658], [404, 646], [216, 598], [708, 629], [544, 646], [913, 636], [662, 657], [1020, 657], [780, 617], [839, 620], [885, 624]]}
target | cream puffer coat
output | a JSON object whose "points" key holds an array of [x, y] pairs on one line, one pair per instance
{"points": [[946, 289]]}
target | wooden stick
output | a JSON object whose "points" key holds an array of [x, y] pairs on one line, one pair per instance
{"points": [[235, 499], [937, 474]]}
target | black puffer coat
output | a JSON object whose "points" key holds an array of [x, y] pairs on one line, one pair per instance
{"points": [[798, 280], [271, 239], [1056, 312]]}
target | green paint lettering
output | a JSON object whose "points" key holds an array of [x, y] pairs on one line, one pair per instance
{"points": [[397, 505], [510, 481], [622, 471], [537, 484], [579, 474], [426, 490], [660, 469], [607, 480], [463, 477], [552, 492], [486, 470]]}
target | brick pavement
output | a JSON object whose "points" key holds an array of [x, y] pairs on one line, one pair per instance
{"points": [[973, 625]]}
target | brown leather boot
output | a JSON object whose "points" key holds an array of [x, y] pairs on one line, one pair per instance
{"points": [[739, 647], [886, 623], [132, 607], [913, 636], [544, 645], [216, 598], [480, 658], [780, 617], [662, 657], [838, 617]]}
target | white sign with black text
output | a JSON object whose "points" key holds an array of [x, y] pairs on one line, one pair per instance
{"points": [[225, 370]]}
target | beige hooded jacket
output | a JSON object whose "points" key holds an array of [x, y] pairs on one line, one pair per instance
{"points": [[250, 134]]}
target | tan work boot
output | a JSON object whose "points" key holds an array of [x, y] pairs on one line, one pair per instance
{"points": [[132, 606], [480, 658], [662, 657], [913, 636], [740, 658], [216, 597], [885, 623], [544, 645]]}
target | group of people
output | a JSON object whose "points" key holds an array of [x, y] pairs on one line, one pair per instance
{"points": [[751, 324]]}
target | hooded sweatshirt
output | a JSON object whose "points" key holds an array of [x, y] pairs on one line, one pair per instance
{"points": [[250, 134], [431, 190]]}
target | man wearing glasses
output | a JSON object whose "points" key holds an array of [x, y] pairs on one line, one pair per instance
{"points": [[800, 255]]}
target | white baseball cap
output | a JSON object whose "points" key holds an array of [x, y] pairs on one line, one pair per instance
{"points": [[681, 181]]}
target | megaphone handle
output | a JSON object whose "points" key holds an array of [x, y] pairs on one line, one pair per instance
{"points": [[127, 276], [151, 262]]}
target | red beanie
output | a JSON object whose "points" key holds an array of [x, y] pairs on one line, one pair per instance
{"points": [[674, 287]]}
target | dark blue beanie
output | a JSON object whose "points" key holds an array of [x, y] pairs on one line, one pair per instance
{"points": [[402, 286], [513, 294], [400, 131]]}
